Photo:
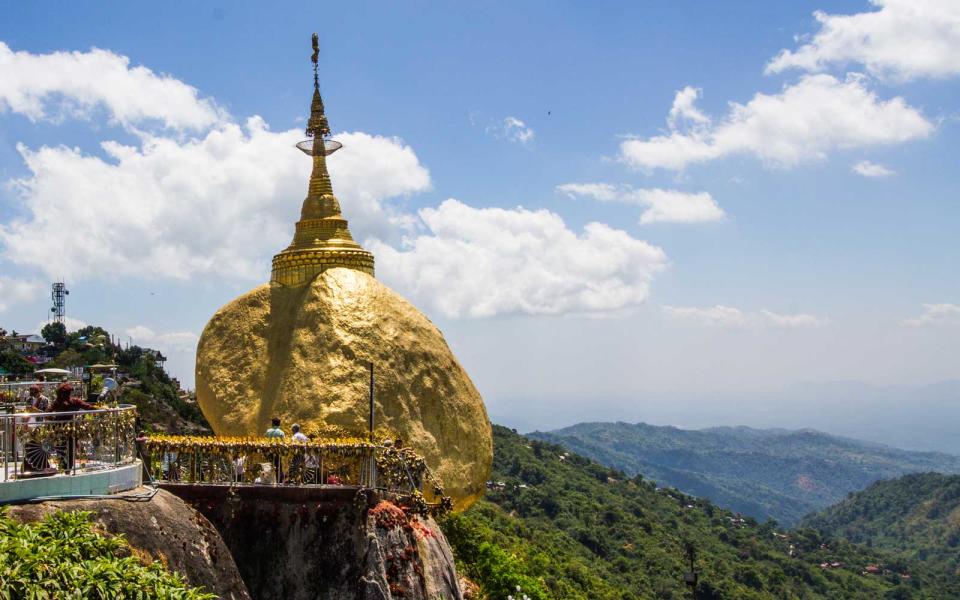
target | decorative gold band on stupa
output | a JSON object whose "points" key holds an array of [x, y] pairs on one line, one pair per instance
{"points": [[322, 239]]}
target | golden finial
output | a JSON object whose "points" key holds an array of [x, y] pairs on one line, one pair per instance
{"points": [[322, 239], [317, 126]]}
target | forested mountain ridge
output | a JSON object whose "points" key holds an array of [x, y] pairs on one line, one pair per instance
{"points": [[770, 473], [915, 515], [562, 526]]}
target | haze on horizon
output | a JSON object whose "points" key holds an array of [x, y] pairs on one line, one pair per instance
{"points": [[680, 214]]}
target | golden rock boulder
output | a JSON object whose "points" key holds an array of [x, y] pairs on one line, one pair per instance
{"points": [[301, 353]]}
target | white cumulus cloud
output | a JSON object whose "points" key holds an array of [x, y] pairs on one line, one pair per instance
{"points": [[71, 323], [792, 320], [605, 192], [903, 40], [174, 341], [220, 204], [660, 206], [206, 196], [480, 262], [714, 316], [511, 129], [802, 123], [729, 317], [869, 169], [76, 84], [936, 314], [18, 291], [218, 201], [684, 108]]}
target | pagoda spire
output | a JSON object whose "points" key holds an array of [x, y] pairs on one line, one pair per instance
{"points": [[320, 201], [322, 239], [318, 128]]}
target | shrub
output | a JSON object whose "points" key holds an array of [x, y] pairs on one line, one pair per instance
{"points": [[63, 556]]}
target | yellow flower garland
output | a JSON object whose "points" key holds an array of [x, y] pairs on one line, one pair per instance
{"points": [[397, 468]]}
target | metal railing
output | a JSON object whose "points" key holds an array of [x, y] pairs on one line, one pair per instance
{"points": [[49, 443], [262, 462], [288, 464]]}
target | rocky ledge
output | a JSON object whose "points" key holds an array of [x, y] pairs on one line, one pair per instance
{"points": [[278, 542], [328, 543], [162, 528]]}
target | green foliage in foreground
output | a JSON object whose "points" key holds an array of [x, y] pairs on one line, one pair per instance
{"points": [[568, 528], [916, 515], [63, 556]]}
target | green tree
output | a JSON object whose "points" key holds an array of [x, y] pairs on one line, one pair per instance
{"points": [[68, 358], [56, 334], [14, 364]]}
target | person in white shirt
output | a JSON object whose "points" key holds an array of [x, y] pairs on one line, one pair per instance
{"points": [[297, 470], [297, 434], [38, 401]]}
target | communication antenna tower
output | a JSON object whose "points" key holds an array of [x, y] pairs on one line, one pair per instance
{"points": [[58, 294]]}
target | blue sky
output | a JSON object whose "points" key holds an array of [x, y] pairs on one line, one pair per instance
{"points": [[734, 247]]}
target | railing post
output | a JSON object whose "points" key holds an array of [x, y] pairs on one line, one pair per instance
{"points": [[373, 468], [72, 445], [116, 438], [16, 453], [6, 443]]}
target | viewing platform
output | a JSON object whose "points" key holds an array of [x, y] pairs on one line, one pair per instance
{"points": [[211, 469], [68, 454], [97, 452]]}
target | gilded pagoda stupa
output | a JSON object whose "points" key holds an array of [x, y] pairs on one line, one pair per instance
{"points": [[299, 347], [322, 239]]}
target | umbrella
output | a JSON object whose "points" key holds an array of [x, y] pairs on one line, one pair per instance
{"points": [[52, 371]]}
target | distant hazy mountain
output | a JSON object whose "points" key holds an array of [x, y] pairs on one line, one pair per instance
{"points": [[768, 473], [916, 515], [913, 417]]}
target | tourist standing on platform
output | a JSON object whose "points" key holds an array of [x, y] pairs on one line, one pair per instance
{"points": [[38, 401], [65, 402], [312, 464], [297, 434], [297, 471], [275, 432], [34, 458]]}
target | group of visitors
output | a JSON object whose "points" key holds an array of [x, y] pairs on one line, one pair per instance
{"points": [[34, 458], [64, 401], [305, 465]]}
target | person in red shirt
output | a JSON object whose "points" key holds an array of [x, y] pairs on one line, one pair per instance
{"points": [[66, 402]]}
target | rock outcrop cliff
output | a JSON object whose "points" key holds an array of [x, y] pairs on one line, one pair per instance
{"points": [[163, 528], [281, 542], [303, 543]]}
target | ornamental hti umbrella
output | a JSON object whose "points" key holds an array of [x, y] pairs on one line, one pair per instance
{"points": [[52, 371]]}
